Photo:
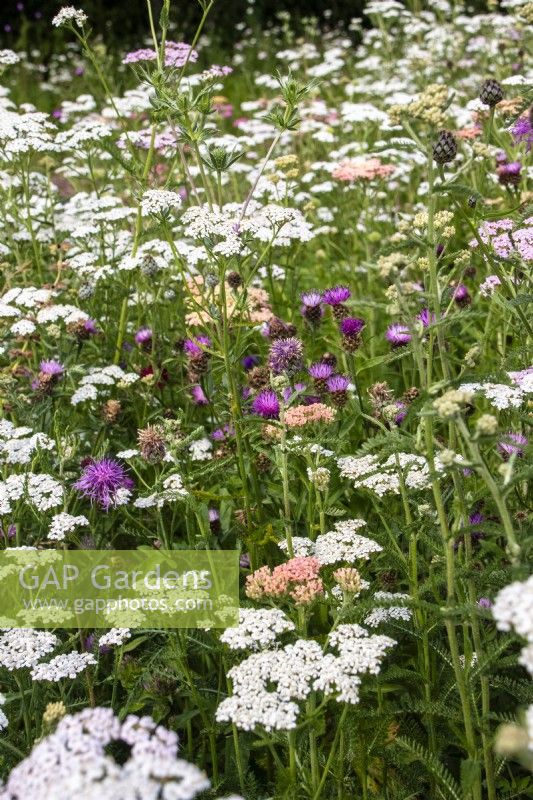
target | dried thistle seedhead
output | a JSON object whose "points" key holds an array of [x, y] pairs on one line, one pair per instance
{"points": [[111, 411], [259, 377], [277, 329], [380, 395], [411, 394], [152, 444]]}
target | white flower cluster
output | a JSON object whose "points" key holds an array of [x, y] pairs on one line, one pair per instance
{"points": [[500, 395], [383, 478], [345, 544], [159, 202], [74, 761], [291, 670], [69, 14], [257, 628], [387, 613], [24, 647], [173, 490], [99, 379], [359, 653], [276, 223], [200, 449], [64, 523], [267, 685], [8, 58], [66, 665], [513, 610], [4, 722], [523, 379], [301, 546], [114, 637], [39, 490], [18, 445]]}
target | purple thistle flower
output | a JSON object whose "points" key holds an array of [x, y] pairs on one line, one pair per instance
{"points": [[102, 481], [192, 347], [484, 602], [312, 306], [311, 299], [289, 391], [321, 371], [214, 520], [338, 383], [509, 174], [51, 368], [461, 295], [90, 327], [143, 336], [426, 317], [337, 386], [522, 131], [198, 395], [266, 404], [402, 412], [351, 326], [286, 356], [221, 434], [336, 296], [249, 362], [513, 443], [398, 335]]}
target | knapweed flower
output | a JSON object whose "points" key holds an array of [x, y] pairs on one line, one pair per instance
{"points": [[286, 356], [83, 329], [266, 404], [351, 328], [198, 395], [512, 444], [461, 295], [143, 337], [320, 373], [49, 374], [249, 362], [336, 298], [52, 368], [338, 389], [509, 174], [398, 335], [426, 317], [105, 482], [522, 131], [312, 306], [197, 354]]}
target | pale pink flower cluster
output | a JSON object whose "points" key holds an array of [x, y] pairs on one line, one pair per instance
{"points": [[177, 54], [298, 416], [506, 240], [367, 170], [298, 579]]}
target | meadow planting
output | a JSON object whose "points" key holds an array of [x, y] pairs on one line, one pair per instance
{"points": [[274, 299]]}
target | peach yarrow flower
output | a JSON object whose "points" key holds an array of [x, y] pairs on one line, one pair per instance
{"points": [[361, 169]]}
